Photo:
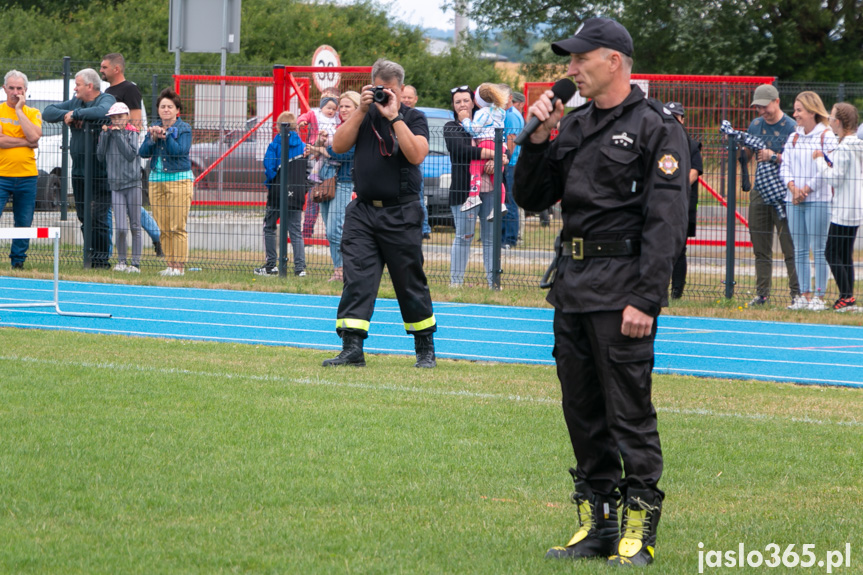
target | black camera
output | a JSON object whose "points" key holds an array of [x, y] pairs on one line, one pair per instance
{"points": [[380, 97]]}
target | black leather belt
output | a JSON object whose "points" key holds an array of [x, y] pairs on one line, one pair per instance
{"points": [[579, 248], [393, 202]]}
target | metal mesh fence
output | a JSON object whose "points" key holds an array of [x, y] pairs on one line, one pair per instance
{"points": [[225, 215]]}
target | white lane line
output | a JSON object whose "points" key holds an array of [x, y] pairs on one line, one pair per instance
{"points": [[305, 343], [761, 360], [319, 381], [758, 376], [751, 346]]}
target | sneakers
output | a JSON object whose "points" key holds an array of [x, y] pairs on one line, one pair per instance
{"points": [[638, 529], [120, 268], [132, 270], [759, 300], [490, 217], [799, 302], [597, 525], [845, 304], [816, 304], [169, 272], [267, 271], [18, 266], [300, 274], [471, 203]]}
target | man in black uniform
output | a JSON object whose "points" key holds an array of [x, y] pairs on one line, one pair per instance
{"points": [[619, 167], [696, 168], [383, 224]]}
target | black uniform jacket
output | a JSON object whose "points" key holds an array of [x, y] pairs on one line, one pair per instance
{"points": [[622, 177]]}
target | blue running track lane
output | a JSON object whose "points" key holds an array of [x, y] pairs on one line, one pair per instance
{"points": [[741, 349]]}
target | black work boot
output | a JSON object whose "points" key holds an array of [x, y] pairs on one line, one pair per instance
{"points": [[597, 525], [424, 345], [157, 247], [352, 352], [641, 512]]}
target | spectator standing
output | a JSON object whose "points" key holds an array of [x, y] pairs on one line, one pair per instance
{"points": [[514, 124], [410, 99], [383, 225], [491, 116], [462, 153], [118, 148], [167, 143], [333, 211], [773, 126], [113, 71], [20, 131], [809, 197], [845, 174], [624, 222], [696, 168], [272, 170], [311, 215], [88, 105]]}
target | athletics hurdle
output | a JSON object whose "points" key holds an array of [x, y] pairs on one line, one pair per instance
{"points": [[38, 233]]}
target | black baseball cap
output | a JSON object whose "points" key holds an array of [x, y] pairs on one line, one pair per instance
{"points": [[596, 33], [675, 108]]}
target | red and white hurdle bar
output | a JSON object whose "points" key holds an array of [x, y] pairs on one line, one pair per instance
{"points": [[40, 233]]}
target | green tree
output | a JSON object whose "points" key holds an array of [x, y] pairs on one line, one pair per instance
{"points": [[272, 32], [800, 39]]}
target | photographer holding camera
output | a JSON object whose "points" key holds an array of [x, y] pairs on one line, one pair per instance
{"points": [[383, 224]]}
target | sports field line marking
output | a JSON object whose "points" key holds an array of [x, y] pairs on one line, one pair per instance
{"points": [[757, 376], [286, 343], [333, 308], [776, 334], [750, 346], [760, 360], [113, 366]]}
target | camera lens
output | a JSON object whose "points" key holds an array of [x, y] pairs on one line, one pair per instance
{"points": [[381, 97]]}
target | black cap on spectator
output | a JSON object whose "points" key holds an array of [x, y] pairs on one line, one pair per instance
{"points": [[596, 33], [675, 108], [517, 97]]}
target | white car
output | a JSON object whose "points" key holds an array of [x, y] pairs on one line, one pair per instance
{"points": [[40, 94]]}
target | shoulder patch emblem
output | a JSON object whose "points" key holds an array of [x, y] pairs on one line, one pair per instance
{"points": [[668, 165]]}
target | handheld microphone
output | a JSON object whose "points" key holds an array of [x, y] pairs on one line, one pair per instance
{"points": [[563, 90]]}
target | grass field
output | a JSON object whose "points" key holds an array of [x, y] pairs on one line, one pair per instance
{"points": [[126, 455]]}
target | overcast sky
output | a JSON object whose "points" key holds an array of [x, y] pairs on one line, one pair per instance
{"points": [[425, 13]]}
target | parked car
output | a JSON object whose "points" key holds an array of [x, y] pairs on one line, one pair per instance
{"points": [[243, 168], [437, 168], [40, 94]]}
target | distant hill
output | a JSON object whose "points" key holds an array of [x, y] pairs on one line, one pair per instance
{"points": [[439, 33]]}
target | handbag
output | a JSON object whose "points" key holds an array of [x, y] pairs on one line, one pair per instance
{"points": [[325, 191]]}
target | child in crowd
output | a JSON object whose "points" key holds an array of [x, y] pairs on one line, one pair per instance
{"points": [[843, 170], [491, 115], [322, 124], [295, 197], [118, 149]]}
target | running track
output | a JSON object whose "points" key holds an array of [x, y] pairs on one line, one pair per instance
{"points": [[801, 353]]}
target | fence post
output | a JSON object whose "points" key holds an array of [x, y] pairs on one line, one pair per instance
{"points": [[495, 193], [64, 147], [89, 157], [730, 217], [283, 202], [154, 101]]}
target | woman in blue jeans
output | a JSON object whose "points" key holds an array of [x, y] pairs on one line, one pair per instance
{"points": [[333, 211], [809, 197], [462, 151]]}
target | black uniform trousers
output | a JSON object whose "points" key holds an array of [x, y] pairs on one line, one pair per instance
{"points": [[605, 378], [374, 236]]}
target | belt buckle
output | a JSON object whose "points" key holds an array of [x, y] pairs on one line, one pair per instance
{"points": [[578, 248], [378, 203]]}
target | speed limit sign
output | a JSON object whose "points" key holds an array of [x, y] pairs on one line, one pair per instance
{"points": [[326, 56]]}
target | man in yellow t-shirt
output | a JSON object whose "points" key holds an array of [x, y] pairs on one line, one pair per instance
{"points": [[20, 130]]}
